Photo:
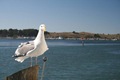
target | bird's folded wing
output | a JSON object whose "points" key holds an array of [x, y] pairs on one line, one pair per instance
{"points": [[23, 49]]}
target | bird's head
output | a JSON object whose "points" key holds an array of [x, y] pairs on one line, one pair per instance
{"points": [[42, 27]]}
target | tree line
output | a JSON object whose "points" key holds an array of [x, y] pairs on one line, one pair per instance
{"points": [[15, 32]]}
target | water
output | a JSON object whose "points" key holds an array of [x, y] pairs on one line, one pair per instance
{"points": [[68, 60]]}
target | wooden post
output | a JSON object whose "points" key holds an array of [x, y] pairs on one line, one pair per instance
{"points": [[30, 73]]}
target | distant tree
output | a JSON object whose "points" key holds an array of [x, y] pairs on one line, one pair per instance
{"points": [[74, 32], [10, 31], [46, 32], [3, 33], [20, 33], [30, 32], [97, 36]]}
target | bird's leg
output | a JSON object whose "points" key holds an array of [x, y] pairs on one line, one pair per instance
{"points": [[36, 60], [31, 62]]}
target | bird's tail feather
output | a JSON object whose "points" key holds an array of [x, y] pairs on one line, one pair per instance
{"points": [[21, 59]]}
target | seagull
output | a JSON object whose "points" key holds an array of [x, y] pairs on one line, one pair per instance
{"points": [[33, 48]]}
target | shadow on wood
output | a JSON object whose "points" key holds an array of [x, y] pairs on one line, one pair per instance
{"points": [[30, 73]]}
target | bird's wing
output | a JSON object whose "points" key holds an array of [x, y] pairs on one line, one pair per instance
{"points": [[25, 43], [38, 50], [23, 48]]}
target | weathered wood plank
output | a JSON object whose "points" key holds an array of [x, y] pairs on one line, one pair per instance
{"points": [[30, 73]]}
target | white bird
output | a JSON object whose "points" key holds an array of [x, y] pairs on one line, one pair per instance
{"points": [[33, 48]]}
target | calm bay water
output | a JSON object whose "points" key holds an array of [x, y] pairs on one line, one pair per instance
{"points": [[68, 60]]}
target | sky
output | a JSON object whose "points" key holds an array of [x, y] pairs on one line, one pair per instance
{"points": [[96, 16]]}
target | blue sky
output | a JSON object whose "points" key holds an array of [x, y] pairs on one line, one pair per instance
{"points": [[96, 16]]}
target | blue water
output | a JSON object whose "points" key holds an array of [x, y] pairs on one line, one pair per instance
{"points": [[67, 60]]}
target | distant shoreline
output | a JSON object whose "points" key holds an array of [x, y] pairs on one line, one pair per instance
{"points": [[60, 38], [32, 33]]}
